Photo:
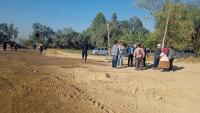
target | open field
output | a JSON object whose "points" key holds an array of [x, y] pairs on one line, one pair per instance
{"points": [[57, 82]]}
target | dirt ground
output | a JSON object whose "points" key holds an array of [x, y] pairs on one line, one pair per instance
{"points": [[57, 82]]}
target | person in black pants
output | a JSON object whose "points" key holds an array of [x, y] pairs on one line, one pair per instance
{"points": [[130, 51], [84, 52], [11, 45], [171, 58], [41, 48], [145, 55], [4, 46], [157, 53]]}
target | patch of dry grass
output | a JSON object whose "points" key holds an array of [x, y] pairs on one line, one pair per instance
{"points": [[185, 59], [189, 60]]}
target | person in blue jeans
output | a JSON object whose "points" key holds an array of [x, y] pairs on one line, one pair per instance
{"points": [[84, 51], [114, 53], [120, 54], [157, 53]]}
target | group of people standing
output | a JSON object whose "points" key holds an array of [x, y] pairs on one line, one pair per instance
{"points": [[40, 46], [163, 58], [13, 45], [117, 54]]}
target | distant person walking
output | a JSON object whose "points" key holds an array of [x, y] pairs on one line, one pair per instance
{"points": [[171, 57], [41, 48], [157, 53], [84, 51], [120, 55], [164, 60], [34, 46], [11, 45], [139, 55], [4, 46], [114, 53], [130, 51], [15, 46]]}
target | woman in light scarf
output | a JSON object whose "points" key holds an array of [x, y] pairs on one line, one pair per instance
{"points": [[164, 60]]}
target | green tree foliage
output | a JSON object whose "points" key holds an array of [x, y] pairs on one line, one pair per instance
{"points": [[131, 31], [8, 32], [96, 35], [42, 33], [98, 31], [114, 18], [183, 22], [195, 16], [179, 29]]}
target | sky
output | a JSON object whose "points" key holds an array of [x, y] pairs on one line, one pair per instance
{"points": [[59, 14]]}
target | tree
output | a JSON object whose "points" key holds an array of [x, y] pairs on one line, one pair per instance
{"points": [[174, 20], [16, 32], [98, 30], [136, 23], [114, 18], [42, 33], [155, 5], [132, 30], [3, 32], [194, 14], [8, 32]]}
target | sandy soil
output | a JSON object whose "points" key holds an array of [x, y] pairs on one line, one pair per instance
{"points": [[57, 82]]}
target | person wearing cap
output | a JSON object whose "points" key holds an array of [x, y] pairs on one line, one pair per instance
{"points": [[157, 53]]}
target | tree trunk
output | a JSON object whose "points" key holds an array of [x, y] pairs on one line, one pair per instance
{"points": [[166, 27]]}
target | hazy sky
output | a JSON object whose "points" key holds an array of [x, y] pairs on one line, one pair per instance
{"points": [[57, 14]]}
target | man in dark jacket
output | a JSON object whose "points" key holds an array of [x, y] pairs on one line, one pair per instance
{"points": [[41, 48], [34, 46], [84, 51], [145, 55], [130, 51], [171, 58], [4, 46], [157, 53]]}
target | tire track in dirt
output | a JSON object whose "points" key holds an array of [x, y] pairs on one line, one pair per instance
{"points": [[7, 88], [6, 85], [84, 96], [53, 84]]}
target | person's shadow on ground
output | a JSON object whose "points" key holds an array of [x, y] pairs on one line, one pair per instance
{"points": [[176, 68], [150, 66]]}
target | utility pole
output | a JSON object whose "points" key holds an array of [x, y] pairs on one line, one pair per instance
{"points": [[167, 23], [108, 28]]}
